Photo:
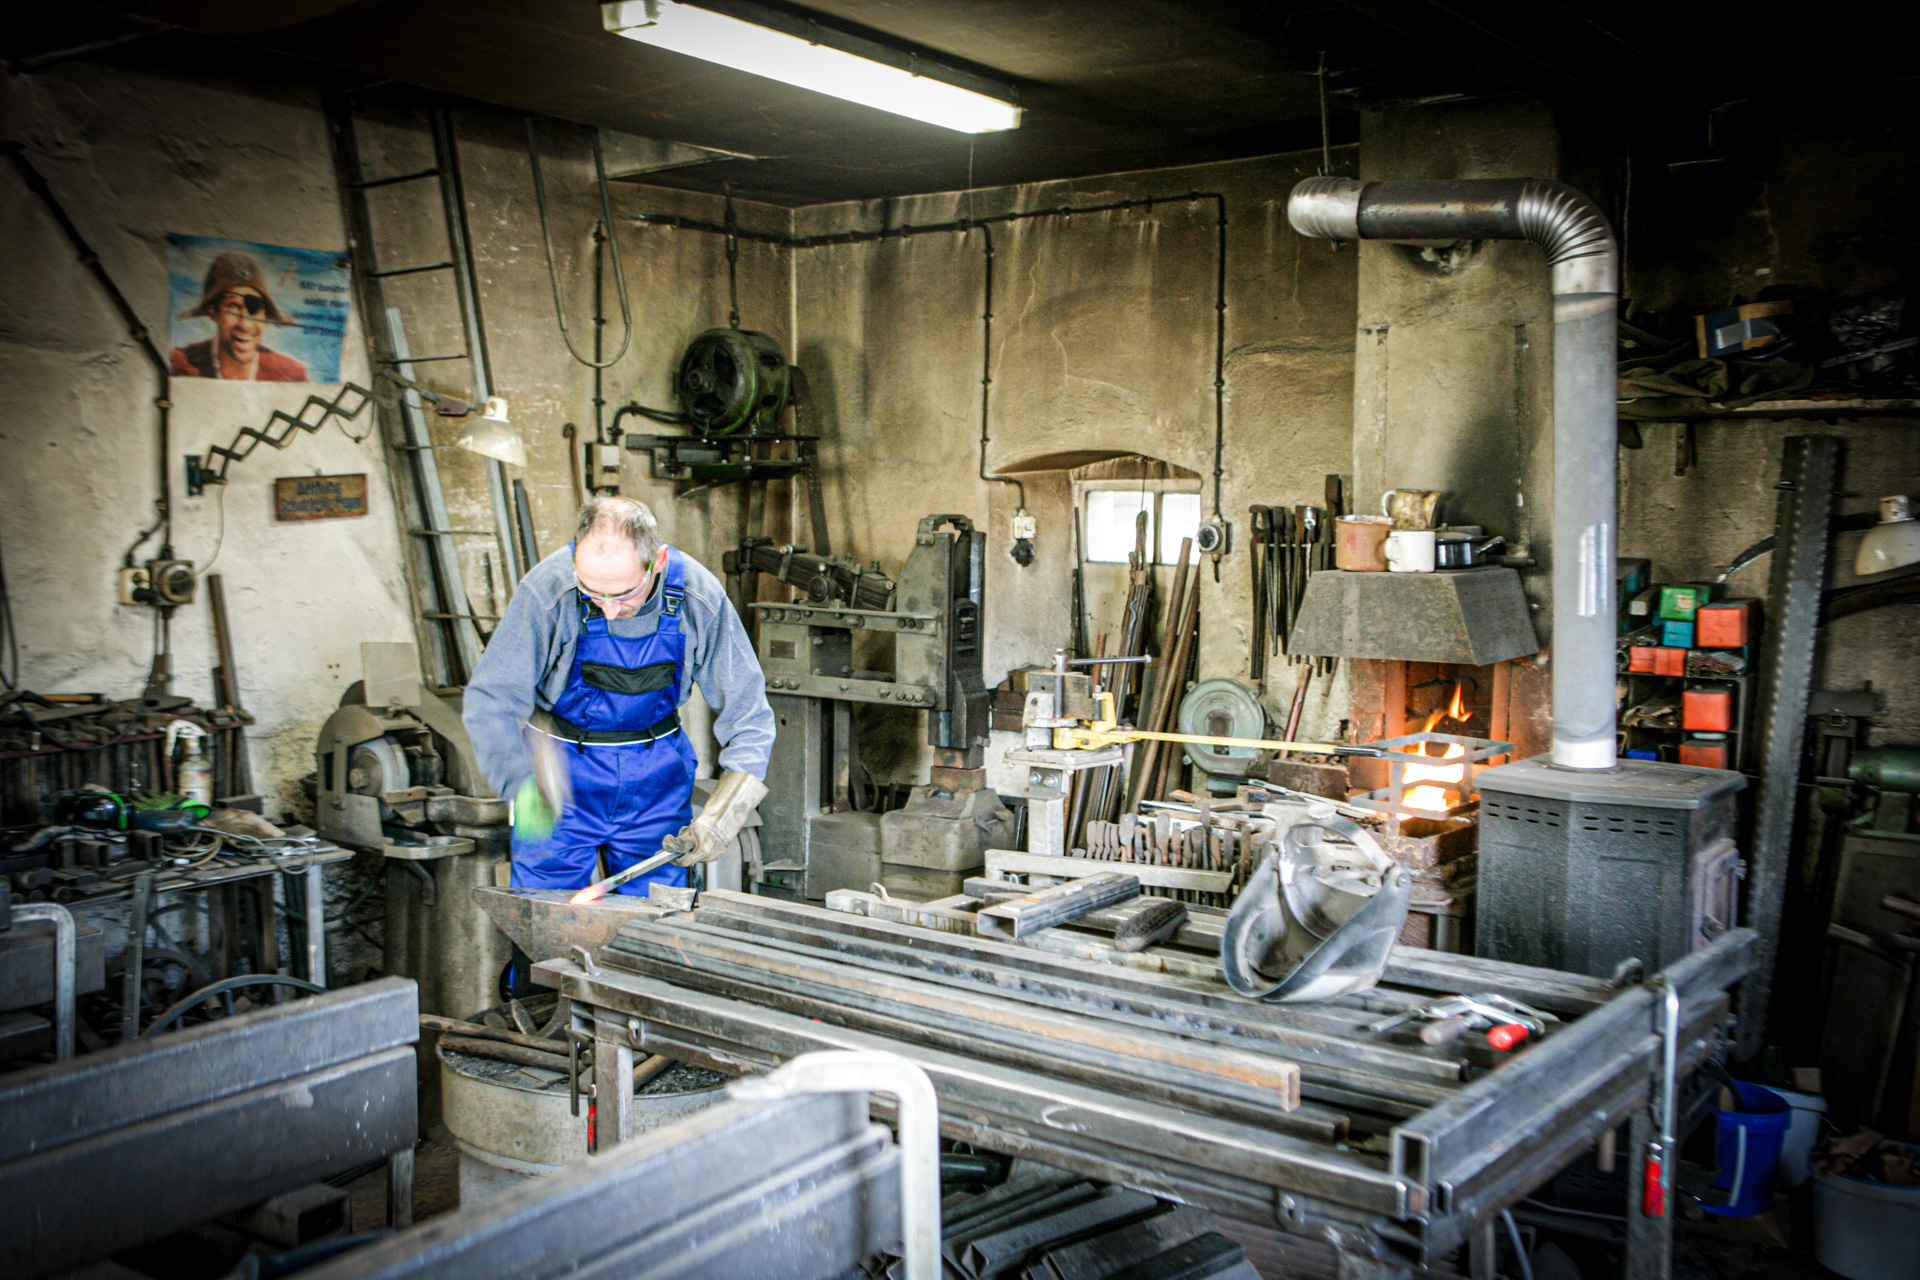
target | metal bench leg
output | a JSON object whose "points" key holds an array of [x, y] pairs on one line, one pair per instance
{"points": [[400, 1188]]}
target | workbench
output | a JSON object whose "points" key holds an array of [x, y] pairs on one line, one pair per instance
{"points": [[1396, 1155], [245, 859]]}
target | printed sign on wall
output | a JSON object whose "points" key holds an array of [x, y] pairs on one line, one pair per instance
{"points": [[319, 497], [245, 312]]}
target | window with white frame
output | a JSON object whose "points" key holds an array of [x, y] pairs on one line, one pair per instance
{"points": [[1113, 510]]}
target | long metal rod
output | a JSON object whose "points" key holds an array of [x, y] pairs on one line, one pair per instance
{"points": [[453, 198], [449, 580], [1155, 1059], [63, 970]]}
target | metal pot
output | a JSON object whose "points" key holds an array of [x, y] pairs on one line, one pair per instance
{"points": [[1463, 553]]}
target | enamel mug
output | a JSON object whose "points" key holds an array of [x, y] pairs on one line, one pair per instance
{"points": [[1410, 551]]}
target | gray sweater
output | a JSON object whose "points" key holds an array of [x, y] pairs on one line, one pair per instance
{"points": [[528, 660]]}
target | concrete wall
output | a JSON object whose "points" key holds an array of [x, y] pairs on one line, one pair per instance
{"points": [[1820, 197], [1103, 343], [135, 152]]}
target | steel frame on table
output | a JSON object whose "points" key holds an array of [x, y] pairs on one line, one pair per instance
{"points": [[1427, 1179]]}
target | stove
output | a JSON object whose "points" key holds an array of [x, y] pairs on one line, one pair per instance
{"points": [[1582, 870]]}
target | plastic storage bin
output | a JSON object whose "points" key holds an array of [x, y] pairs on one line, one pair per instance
{"points": [[1866, 1230], [1809, 1109], [1748, 1150]]}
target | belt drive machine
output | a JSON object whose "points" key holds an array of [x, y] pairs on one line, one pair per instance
{"points": [[813, 838]]}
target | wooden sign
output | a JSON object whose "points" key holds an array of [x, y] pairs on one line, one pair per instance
{"points": [[319, 497]]}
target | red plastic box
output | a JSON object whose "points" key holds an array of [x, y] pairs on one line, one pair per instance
{"points": [[1706, 709], [1727, 624], [1707, 753]]}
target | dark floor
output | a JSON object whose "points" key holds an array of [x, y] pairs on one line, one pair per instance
{"points": [[436, 1183]]}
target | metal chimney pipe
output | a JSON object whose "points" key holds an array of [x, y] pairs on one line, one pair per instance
{"points": [[1585, 259]]}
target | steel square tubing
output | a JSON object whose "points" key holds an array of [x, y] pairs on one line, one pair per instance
{"points": [[1150, 1056], [80, 1201], [1108, 1071], [1043, 1106], [67, 1102], [1327, 1068], [1444, 1145], [734, 1168], [1306, 1033]]}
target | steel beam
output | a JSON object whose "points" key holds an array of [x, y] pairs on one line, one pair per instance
{"points": [[1809, 467], [803, 1188], [173, 1131]]}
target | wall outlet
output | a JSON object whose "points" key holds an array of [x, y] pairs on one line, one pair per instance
{"points": [[133, 586]]}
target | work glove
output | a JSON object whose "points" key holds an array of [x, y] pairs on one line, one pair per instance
{"points": [[720, 820], [533, 817]]}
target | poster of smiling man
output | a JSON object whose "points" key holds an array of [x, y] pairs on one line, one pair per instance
{"points": [[256, 312]]}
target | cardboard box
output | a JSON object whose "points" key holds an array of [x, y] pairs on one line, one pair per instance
{"points": [[1727, 624], [1708, 709], [1679, 600]]}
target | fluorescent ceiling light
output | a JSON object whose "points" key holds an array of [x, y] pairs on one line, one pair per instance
{"points": [[798, 59]]}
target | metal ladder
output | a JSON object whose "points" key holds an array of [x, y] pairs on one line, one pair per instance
{"points": [[444, 618]]}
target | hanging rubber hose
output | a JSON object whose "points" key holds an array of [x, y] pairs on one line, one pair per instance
{"points": [[613, 244]]}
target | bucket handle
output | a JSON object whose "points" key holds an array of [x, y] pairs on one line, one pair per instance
{"points": [[1739, 1164]]}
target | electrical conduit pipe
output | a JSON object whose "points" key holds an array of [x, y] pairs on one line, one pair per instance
{"points": [[917, 1121], [1585, 262]]}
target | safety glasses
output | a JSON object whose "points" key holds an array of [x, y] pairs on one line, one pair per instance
{"points": [[622, 597]]}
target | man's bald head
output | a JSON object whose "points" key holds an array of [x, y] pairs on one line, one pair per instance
{"points": [[622, 520], [615, 541]]}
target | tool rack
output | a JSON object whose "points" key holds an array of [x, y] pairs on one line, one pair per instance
{"points": [[1396, 1154]]}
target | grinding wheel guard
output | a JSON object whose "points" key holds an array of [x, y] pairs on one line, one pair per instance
{"points": [[1317, 920]]}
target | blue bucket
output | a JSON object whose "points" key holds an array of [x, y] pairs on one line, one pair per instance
{"points": [[1748, 1150]]}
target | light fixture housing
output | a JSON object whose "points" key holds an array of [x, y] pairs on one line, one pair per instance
{"points": [[798, 51], [491, 435], [1892, 544]]}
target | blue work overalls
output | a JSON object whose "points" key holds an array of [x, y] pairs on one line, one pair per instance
{"points": [[632, 768]]}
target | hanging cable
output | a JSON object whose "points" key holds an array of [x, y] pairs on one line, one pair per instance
{"points": [[1326, 130], [732, 225], [10, 674], [986, 366], [220, 537], [546, 244]]}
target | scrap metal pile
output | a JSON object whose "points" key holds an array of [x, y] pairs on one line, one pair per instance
{"points": [[1335, 1118]]}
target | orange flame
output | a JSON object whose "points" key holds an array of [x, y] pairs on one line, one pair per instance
{"points": [[1438, 799], [1434, 799], [591, 893]]}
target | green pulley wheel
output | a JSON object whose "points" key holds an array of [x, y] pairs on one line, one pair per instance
{"points": [[733, 381]]}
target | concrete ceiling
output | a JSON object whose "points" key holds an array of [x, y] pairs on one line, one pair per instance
{"points": [[1109, 85]]}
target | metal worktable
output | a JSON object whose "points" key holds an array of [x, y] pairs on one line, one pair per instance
{"points": [[1425, 1148]]}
